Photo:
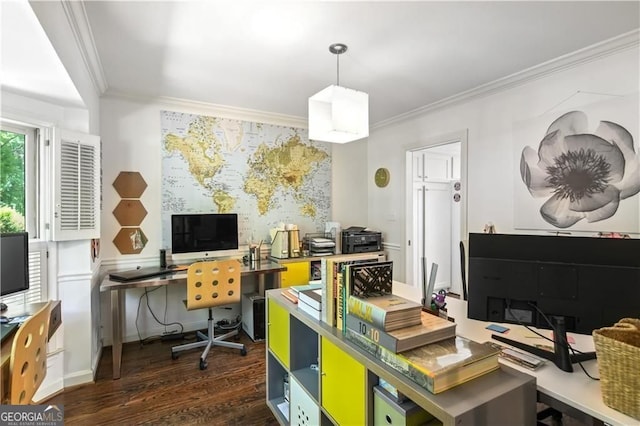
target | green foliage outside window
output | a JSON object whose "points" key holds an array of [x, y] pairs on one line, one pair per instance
{"points": [[12, 181]]}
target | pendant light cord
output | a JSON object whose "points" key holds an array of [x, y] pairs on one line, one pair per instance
{"points": [[338, 49]]}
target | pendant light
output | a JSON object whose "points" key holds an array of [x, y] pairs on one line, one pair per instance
{"points": [[338, 114]]}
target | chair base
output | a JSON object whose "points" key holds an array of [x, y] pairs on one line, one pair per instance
{"points": [[209, 340]]}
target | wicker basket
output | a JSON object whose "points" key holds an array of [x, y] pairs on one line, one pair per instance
{"points": [[618, 351]]}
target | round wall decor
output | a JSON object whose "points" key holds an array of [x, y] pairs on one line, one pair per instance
{"points": [[382, 177]]}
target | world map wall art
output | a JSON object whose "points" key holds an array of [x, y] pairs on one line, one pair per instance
{"points": [[267, 174], [580, 170]]}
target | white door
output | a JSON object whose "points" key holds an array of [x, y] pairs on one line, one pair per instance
{"points": [[437, 230], [436, 217]]}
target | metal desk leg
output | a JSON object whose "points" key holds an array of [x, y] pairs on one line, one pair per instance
{"points": [[261, 284], [117, 309]]}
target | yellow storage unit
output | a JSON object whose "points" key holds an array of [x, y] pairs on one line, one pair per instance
{"points": [[297, 273], [343, 385], [278, 331]]}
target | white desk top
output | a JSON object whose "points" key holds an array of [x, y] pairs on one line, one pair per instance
{"points": [[574, 389]]}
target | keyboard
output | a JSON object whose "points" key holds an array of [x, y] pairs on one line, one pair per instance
{"points": [[139, 274], [7, 330]]}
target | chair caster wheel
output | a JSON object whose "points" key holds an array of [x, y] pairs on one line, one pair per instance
{"points": [[203, 365], [243, 352], [174, 355]]}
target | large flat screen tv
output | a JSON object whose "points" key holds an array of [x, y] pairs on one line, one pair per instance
{"points": [[14, 262], [203, 236], [554, 282]]}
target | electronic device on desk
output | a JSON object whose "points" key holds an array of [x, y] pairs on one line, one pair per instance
{"points": [[562, 283], [14, 251], [139, 274], [357, 239], [253, 316], [203, 236]]}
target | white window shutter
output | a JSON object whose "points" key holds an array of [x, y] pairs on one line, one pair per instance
{"points": [[76, 168]]}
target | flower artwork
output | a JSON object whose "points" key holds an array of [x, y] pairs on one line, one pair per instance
{"points": [[581, 174]]}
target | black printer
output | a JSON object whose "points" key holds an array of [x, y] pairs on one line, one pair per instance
{"points": [[357, 239]]}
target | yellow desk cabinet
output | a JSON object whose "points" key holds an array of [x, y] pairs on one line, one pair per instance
{"points": [[278, 332], [343, 385], [315, 376], [297, 273]]}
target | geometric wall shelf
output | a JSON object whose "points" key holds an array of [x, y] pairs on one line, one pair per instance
{"points": [[129, 185], [130, 240], [129, 212]]}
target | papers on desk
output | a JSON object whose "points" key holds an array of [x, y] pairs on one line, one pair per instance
{"points": [[19, 320]]}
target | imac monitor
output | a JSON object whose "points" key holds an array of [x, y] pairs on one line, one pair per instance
{"points": [[574, 284], [14, 262], [202, 236]]}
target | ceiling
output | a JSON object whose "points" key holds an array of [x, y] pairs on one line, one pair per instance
{"points": [[271, 56]]}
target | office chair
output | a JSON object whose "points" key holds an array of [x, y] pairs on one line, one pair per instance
{"points": [[210, 284], [28, 365]]}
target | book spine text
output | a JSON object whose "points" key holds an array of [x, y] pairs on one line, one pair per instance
{"points": [[371, 332]]}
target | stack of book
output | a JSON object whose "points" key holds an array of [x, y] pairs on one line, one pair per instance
{"points": [[387, 312], [291, 293], [362, 280], [437, 366], [430, 330], [310, 301]]}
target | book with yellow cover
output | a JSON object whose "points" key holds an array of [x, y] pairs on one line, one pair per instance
{"points": [[437, 366], [431, 329]]}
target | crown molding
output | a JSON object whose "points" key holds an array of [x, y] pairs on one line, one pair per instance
{"points": [[79, 24], [223, 111], [596, 51]]}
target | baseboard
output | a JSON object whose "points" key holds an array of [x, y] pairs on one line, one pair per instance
{"points": [[78, 378], [49, 391]]}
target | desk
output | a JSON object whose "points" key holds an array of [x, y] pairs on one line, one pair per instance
{"points": [[177, 278], [572, 393]]}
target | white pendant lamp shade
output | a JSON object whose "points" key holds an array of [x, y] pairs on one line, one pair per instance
{"points": [[338, 114]]}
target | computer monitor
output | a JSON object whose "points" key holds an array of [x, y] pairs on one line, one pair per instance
{"points": [[14, 263], [203, 236], [577, 283]]}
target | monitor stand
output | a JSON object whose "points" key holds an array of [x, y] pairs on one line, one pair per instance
{"points": [[560, 355]]}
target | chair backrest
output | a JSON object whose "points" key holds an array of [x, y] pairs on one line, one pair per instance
{"points": [[213, 283], [28, 364]]}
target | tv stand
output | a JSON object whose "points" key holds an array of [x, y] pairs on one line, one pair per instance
{"points": [[560, 355]]}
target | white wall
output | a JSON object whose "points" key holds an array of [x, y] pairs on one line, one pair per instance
{"points": [[489, 120]]}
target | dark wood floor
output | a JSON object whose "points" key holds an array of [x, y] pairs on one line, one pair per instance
{"points": [[154, 389]]}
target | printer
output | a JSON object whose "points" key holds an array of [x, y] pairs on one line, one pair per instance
{"points": [[357, 239]]}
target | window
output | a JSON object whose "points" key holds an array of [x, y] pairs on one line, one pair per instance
{"points": [[20, 172]]}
